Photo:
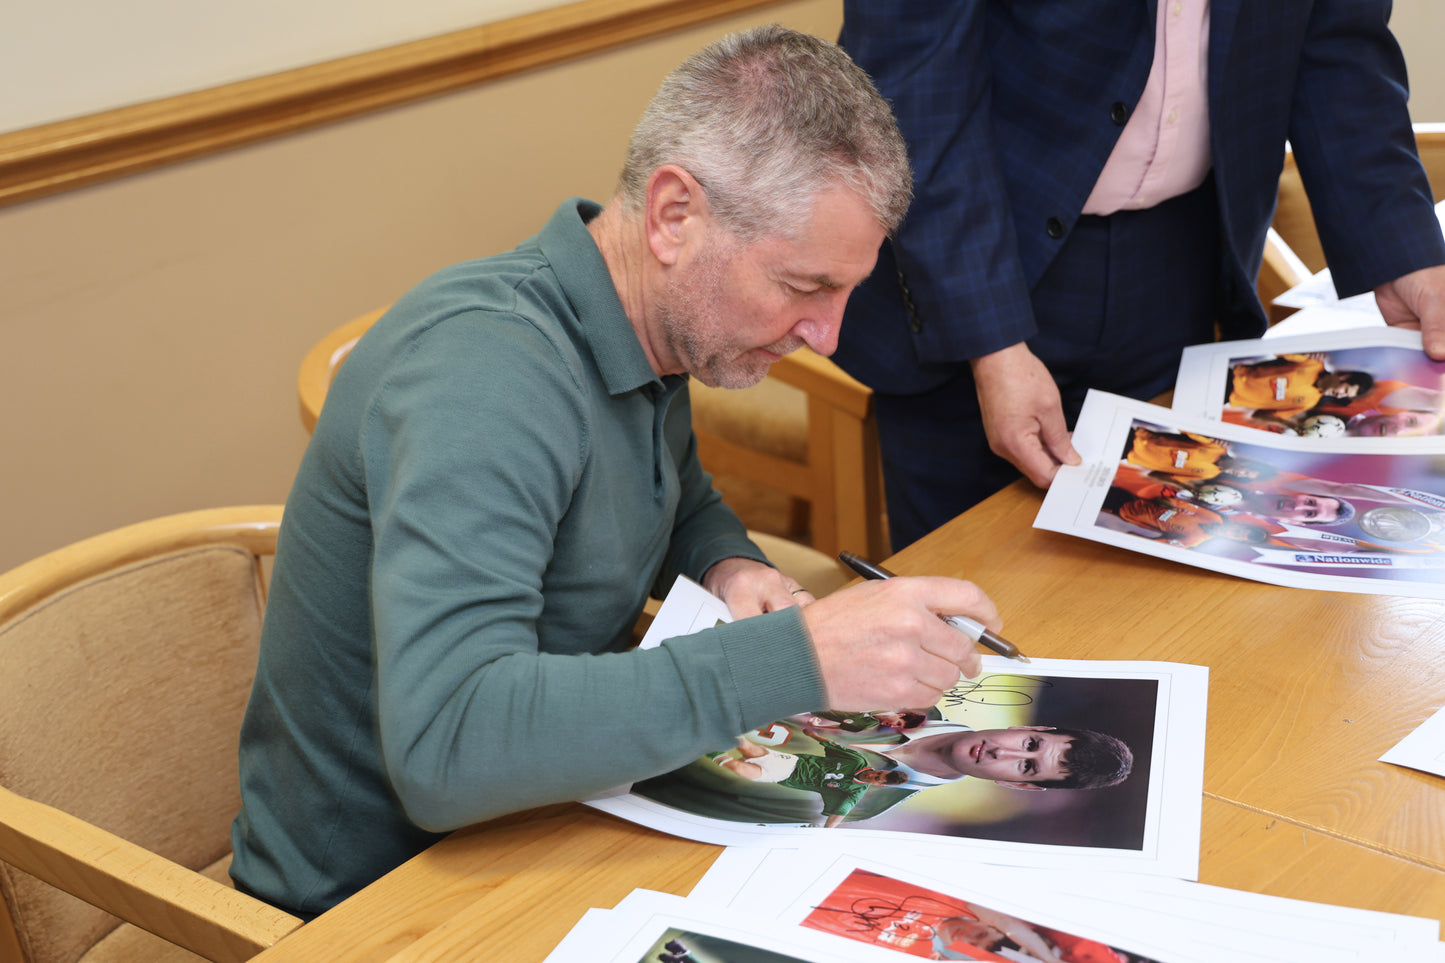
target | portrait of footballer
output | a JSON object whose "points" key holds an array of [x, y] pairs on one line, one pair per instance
{"points": [[1042, 759]]}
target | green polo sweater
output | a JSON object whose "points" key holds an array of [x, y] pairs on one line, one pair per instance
{"points": [[496, 483]]}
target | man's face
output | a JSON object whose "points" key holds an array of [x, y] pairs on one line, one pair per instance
{"points": [[1023, 754], [977, 933], [1334, 387], [731, 310], [1401, 424], [1300, 509], [1217, 495]]}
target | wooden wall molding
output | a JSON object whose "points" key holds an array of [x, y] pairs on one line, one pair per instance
{"points": [[67, 154]]}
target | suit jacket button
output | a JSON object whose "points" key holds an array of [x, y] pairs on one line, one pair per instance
{"points": [[1119, 113], [1055, 227]]}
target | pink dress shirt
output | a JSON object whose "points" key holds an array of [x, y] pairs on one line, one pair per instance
{"points": [[1163, 150]]}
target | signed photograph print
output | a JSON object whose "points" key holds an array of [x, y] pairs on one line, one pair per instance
{"points": [[1057, 763], [1313, 514], [1024, 758], [1372, 515], [912, 920], [1366, 383], [1344, 393], [685, 946]]}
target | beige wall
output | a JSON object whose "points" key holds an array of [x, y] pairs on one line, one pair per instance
{"points": [[116, 53], [1420, 27], [152, 327]]}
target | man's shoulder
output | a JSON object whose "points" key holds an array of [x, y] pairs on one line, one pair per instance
{"points": [[520, 282], [502, 303]]}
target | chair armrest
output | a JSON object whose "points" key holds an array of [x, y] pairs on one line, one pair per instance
{"points": [[138, 886]]}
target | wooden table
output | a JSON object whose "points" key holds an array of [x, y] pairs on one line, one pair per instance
{"points": [[1307, 689]]}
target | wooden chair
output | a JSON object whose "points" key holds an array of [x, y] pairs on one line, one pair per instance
{"points": [[128, 659], [1281, 270], [806, 431]]}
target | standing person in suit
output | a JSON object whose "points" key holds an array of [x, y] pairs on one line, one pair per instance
{"points": [[1094, 183]]}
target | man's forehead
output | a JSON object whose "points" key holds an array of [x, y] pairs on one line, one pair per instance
{"points": [[840, 229], [826, 263]]}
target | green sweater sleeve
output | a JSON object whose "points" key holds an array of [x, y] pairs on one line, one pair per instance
{"points": [[706, 531], [510, 545]]}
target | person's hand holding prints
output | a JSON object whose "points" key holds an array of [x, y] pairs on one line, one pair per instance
{"points": [[752, 588], [884, 643], [1417, 300], [1022, 413]]}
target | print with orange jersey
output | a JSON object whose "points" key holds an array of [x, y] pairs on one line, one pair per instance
{"points": [[919, 922]]}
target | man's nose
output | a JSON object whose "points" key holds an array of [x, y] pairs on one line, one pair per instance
{"points": [[820, 330]]}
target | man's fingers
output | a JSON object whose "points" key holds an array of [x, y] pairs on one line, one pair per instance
{"points": [[1059, 442], [1034, 450], [1037, 465], [884, 643], [950, 596], [797, 596], [938, 675], [1417, 300], [1433, 339], [957, 652]]}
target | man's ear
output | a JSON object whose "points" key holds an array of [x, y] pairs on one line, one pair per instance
{"points": [[1025, 786], [675, 204]]}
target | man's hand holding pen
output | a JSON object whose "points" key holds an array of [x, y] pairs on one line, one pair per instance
{"points": [[976, 630], [884, 642]]}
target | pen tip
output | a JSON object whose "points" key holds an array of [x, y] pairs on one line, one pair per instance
{"points": [[1023, 658]]}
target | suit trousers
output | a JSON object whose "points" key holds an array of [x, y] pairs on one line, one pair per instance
{"points": [[1125, 294]]}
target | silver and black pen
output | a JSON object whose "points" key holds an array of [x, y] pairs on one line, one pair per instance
{"points": [[969, 627]]}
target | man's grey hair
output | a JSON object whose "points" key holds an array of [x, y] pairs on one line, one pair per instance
{"points": [[765, 120]]}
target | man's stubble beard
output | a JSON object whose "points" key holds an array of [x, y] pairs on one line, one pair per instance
{"points": [[696, 333]]}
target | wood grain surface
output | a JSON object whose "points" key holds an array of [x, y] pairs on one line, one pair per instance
{"points": [[1307, 689]]}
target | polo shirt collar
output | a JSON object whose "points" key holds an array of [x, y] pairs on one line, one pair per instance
{"points": [[587, 284]]}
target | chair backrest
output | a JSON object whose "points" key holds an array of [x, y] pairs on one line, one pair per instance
{"points": [[808, 432], [128, 662], [1281, 270]]}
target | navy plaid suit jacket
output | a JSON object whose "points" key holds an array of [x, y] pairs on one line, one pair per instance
{"points": [[1011, 107]]}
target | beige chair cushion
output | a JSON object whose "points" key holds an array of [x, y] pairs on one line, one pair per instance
{"points": [[770, 416], [816, 572], [120, 703]]}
